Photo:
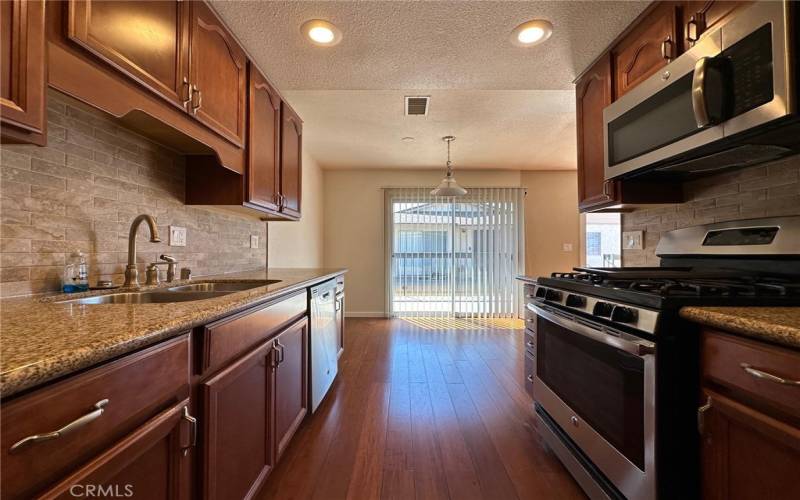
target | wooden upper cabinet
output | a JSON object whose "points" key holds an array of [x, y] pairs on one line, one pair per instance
{"points": [[700, 16], [593, 93], [148, 41], [650, 46], [22, 85], [291, 383], [291, 161], [263, 139], [238, 426], [218, 75]]}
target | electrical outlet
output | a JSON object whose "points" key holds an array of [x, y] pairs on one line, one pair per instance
{"points": [[253, 241], [632, 240], [567, 247], [177, 236]]}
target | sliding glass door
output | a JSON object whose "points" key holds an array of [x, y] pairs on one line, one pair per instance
{"points": [[454, 257]]}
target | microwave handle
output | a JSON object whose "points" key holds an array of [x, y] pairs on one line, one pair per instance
{"points": [[636, 348], [699, 101]]}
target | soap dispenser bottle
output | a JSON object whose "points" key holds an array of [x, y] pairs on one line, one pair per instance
{"points": [[76, 275]]}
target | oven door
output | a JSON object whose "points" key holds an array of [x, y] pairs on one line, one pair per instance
{"points": [[599, 387], [733, 80]]}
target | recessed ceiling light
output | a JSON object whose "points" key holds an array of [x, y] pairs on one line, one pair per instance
{"points": [[321, 32], [531, 33]]}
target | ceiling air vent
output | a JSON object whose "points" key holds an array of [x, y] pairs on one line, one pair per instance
{"points": [[417, 105]]}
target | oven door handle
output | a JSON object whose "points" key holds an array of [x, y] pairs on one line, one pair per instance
{"points": [[637, 348]]}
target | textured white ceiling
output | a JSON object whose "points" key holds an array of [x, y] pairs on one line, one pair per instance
{"points": [[511, 129], [458, 52]]}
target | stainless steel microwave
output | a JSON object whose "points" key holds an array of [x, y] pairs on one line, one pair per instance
{"points": [[729, 101]]}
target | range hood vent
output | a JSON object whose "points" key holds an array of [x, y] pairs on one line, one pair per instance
{"points": [[417, 105]]}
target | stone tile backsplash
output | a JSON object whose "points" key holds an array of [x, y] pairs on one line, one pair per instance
{"points": [[81, 192], [762, 191]]}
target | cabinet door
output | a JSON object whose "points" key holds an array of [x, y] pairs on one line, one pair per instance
{"points": [[703, 15], [646, 49], [237, 422], [593, 93], [22, 82], [152, 462], [291, 161], [291, 383], [148, 41], [747, 454], [218, 74], [263, 143]]}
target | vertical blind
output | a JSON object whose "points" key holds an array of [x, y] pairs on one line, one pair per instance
{"points": [[454, 257]]}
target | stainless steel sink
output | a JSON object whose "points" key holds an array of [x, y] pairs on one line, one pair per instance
{"points": [[221, 287], [183, 293], [154, 297]]}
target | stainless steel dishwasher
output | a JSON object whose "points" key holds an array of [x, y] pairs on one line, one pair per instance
{"points": [[324, 340]]}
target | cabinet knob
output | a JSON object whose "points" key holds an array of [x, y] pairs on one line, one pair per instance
{"points": [[187, 91], [193, 429], [668, 49], [701, 415], [196, 103]]}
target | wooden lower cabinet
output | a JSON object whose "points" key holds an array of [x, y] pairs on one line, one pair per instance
{"points": [[747, 454], [238, 426], [252, 409], [152, 462], [749, 419], [291, 383]]}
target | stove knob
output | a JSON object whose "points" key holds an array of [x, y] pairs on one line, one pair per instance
{"points": [[541, 292], [603, 309], [576, 300], [553, 295], [623, 314]]}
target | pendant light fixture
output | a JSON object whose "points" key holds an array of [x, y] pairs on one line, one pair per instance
{"points": [[449, 186]]}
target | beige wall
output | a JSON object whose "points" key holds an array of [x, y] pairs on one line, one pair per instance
{"points": [[354, 222], [763, 191], [300, 244], [551, 220]]}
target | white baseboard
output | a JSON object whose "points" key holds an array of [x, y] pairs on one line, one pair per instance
{"points": [[365, 314]]}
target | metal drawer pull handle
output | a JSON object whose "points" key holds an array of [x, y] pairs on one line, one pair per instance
{"points": [[767, 376], [75, 424], [193, 423], [529, 343], [701, 415]]}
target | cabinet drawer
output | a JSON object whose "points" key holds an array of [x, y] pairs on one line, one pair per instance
{"points": [[135, 388], [232, 336], [530, 372], [530, 341], [725, 358]]}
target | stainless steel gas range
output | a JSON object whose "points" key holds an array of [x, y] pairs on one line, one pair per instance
{"points": [[616, 378]]}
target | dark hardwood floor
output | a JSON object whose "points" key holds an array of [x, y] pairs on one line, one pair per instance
{"points": [[423, 413]]}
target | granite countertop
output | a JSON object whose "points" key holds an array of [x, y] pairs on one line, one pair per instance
{"points": [[41, 340], [780, 325]]}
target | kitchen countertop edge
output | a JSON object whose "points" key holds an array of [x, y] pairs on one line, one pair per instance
{"points": [[34, 373], [779, 325]]}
